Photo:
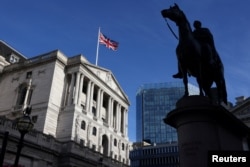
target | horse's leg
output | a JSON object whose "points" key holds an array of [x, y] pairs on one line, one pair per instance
{"points": [[219, 90], [207, 88], [200, 85], [220, 82], [200, 79], [185, 81], [222, 93]]}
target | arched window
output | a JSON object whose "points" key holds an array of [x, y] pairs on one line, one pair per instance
{"points": [[83, 125], [115, 142], [94, 131]]}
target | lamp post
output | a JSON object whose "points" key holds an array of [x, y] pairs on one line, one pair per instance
{"points": [[3, 149], [24, 125], [100, 162]]}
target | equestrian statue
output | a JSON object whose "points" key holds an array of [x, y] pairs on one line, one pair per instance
{"points": [[197, 56]]}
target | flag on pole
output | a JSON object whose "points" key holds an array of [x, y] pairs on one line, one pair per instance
{"points": [[111, 44], [102, 39]]}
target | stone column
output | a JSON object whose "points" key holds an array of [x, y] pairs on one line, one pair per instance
{"points": [[76, 87], [98, 104], [115, 117], [67, 90], [91, 97], [118, 117], [125, 130], [80, 89], [110, 111], [88, 96], [71, 89], [203, 127]]}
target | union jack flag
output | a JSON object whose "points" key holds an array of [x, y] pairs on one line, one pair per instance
{"points": [[108, 42]]}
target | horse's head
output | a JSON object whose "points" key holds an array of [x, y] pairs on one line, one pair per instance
{"points": [[174, 13]]}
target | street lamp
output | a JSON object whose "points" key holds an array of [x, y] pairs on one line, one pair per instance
{"points": [[24, 125], [100, 162]]}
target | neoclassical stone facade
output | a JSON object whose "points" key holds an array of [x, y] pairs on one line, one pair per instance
{"points": [[71, 99]]}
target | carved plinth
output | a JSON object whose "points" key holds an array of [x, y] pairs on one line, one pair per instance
{"points": [[204, 127]]}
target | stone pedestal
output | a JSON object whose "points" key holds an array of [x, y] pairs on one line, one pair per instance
{"points": [[204, 127]]}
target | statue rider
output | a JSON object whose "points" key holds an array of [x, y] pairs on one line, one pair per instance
{"points": [[204, 37]]}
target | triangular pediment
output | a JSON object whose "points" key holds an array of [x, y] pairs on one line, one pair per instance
{"points": [[107, 77], [243, 108]]}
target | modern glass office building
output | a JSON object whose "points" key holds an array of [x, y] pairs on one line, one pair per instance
{"points": [[153, 102]]}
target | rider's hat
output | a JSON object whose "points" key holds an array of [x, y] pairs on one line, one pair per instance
{"points": [[197, 24]]}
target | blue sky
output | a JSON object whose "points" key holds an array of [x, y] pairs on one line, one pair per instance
{"points": [[146, 52]]}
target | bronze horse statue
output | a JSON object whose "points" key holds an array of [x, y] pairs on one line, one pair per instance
{"points": [[195, 58]]}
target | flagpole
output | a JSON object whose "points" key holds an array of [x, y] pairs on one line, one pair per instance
{"points": [[97, 48]]}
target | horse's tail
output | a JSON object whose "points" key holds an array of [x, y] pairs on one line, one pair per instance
{"points": [[223, 91]]}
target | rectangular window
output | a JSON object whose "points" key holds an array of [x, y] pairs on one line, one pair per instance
{"points": [[29, 75], [83, 125]]}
